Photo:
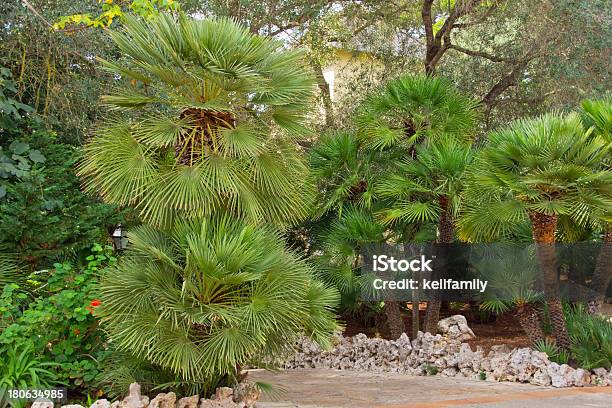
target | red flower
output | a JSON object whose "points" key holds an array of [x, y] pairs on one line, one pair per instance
{"points": [[94, 303]]}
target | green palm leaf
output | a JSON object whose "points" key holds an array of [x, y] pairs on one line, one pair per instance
{"points": [[206, 297], [206, 121]]}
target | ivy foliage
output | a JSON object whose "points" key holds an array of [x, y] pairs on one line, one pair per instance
{"points": [[112, 10], [50, 316], [43, 213]]}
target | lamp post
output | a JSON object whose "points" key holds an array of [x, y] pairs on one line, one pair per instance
{"points": [[119, 237]]}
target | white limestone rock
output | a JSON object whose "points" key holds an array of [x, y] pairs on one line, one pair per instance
{"points": [[540, 378], [582, 378], [42, 404], [456, 327], [163, 400], [101, 403], [134, 398], [189, 402], [561, 375]]}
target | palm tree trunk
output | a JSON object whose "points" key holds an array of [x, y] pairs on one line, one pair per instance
{"points": [[432, 314], [530, 322], [543, 228], [445, 236], [601, 275], [393, 313], [416, 301], [394, 319]]}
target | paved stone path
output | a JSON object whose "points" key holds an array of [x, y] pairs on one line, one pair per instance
{"points": [[322, 388]]}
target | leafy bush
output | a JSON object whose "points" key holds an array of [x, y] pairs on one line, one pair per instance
{"points": [[43, 213], [208, 297], [591, 337], [553, 352], [11, 110], [21, 368], [52, 315]]}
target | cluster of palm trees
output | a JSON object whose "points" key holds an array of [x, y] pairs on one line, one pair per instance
{"points": [[201, 139], [413, 168]]}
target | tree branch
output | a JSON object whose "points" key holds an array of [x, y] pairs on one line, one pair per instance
{"points": [[438, 44], [482, 54], [36, 13], [511, 79]]}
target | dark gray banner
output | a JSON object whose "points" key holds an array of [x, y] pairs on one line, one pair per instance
{"points": [[500, 271]]}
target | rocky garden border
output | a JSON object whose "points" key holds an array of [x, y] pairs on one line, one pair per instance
{"points": [[446, 355]]}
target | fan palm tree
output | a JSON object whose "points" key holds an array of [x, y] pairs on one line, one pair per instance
{"points": [[513, 278], [206, 297], [409, 111], [597, 115], [205, 120], [344, 170], [425, 190], [412, 109], [538, 169]]}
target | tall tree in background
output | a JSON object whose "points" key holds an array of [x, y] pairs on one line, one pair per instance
{"points": [[538, 169], [597, 117], [511, 54]]}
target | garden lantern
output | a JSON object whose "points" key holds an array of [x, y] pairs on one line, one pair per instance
{"points": [[119, 237]]}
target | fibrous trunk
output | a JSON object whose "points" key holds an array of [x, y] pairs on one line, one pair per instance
{"points": [[530, 322], [201, 137], [394, 319], [601, 275], [445, 236], [543, 228]]}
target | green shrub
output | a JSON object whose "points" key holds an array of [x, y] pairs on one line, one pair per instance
{"points": [[591, 337], [553, 352], [43, 212], [51, 314], [431, 369], [21, 368], [208, 297], [591, 340]]}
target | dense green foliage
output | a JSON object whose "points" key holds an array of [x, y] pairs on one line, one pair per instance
{"points": [[209, 124], [209, 297], [50, 318], [44, 214], [547, 165]]}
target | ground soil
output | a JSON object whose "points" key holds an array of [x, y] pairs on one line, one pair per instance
{"points": [[489, 330]]}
